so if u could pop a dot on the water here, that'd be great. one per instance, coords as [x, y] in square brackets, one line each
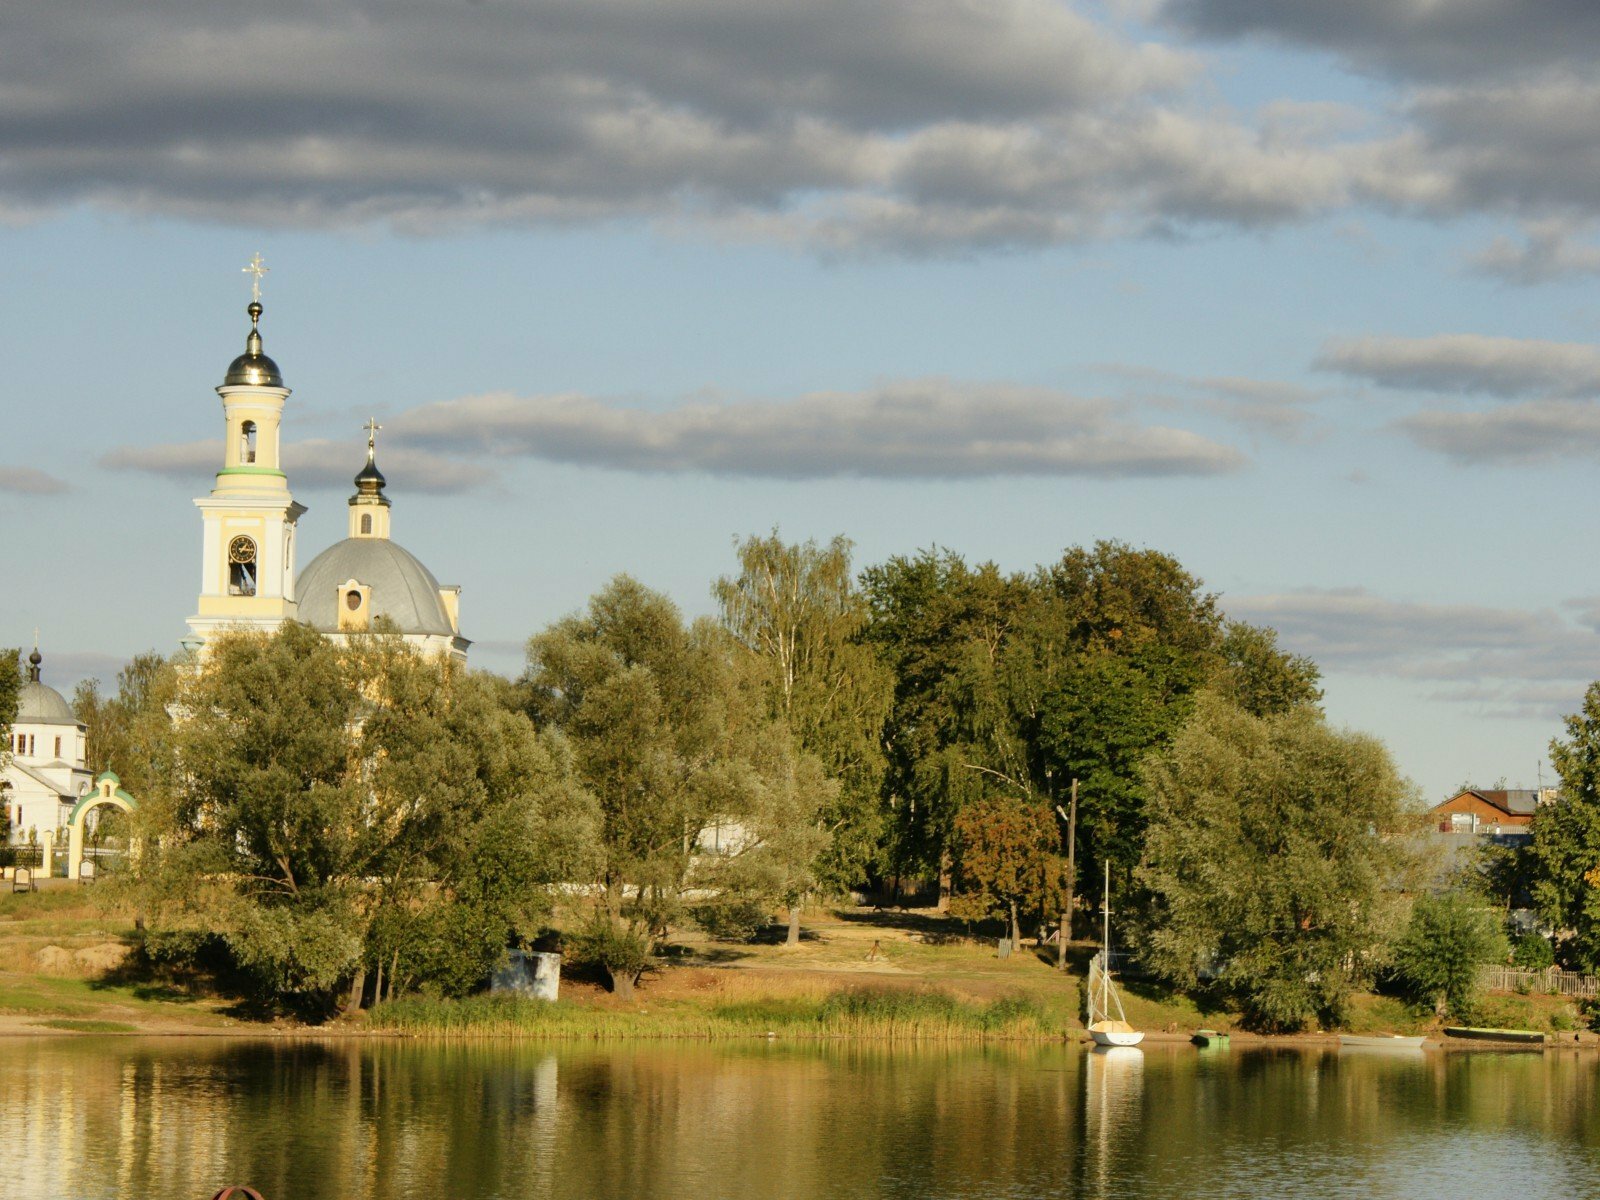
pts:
[170, 1119]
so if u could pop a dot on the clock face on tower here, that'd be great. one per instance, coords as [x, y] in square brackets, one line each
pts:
[241, 550]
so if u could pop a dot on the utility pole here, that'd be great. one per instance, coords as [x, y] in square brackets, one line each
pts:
[1072, 878]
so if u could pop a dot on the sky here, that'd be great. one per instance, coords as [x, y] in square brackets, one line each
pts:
[1302, 294]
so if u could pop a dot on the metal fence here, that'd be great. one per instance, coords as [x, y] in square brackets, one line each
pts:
[1551, 982]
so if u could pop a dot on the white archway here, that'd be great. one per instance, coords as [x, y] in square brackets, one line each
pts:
[107, 790]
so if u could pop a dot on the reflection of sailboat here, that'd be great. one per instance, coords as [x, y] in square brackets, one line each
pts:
[1113, 1113]
[1108, 1024]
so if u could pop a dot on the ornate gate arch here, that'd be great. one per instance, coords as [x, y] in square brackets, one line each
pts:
[107, 790]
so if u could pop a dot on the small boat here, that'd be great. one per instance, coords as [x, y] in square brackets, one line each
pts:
[1494, 1035]
[1380, 1041]
[1108, 1024]
[1209, 1037]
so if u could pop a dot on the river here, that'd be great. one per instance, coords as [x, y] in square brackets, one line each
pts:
[174, 1118]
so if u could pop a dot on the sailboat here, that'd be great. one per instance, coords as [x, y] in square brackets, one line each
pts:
[1108, 1024]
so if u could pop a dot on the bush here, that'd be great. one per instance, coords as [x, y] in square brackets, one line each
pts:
[1437, 960]
[731, 921]
[1531, 952]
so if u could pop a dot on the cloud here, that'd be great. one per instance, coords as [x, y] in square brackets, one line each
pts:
[30, 481]
[312, 464]
[851, 126]
[1520, 434]
[1412, 38]
[1468, 363]
[913, 429]
[1270, 408]
[1534, 662]
[1548, 251]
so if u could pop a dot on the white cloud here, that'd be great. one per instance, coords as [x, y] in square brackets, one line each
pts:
[315, 463]
[1549, 250]
[1468, 363]
[1531, 662]
[30, 481]
[913, 429]
[1518, 434]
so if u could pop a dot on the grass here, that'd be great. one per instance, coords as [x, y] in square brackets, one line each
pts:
[88, 1026]
[859, 1012]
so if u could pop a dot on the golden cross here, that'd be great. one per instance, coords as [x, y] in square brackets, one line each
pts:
[256, 270]
[372, 428]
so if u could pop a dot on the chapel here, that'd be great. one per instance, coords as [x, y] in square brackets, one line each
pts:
[47, 773]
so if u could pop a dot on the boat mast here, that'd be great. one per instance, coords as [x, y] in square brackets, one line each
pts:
[1105, 944]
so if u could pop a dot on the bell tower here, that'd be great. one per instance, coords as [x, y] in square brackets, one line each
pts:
[247, 565]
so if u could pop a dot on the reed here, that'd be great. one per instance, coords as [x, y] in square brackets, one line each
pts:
[887, 1013]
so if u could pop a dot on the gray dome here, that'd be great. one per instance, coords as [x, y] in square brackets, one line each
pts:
[40, 704]
[403, 589]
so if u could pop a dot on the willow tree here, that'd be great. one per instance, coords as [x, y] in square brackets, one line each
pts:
[795, 609]
[1563, 856]
[1276, 851]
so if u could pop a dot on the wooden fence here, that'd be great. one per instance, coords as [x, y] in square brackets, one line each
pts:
[1551, 982]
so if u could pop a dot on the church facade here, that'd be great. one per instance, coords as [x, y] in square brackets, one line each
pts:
[250, 526]
[47, 772]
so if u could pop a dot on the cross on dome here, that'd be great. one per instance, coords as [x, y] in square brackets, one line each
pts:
[255, 270]
[372, 428]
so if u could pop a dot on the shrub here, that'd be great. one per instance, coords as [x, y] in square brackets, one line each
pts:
[1449, 938]
[1532, 952]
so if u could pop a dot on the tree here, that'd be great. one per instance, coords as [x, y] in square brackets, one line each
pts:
[648, 708]
[796, 610]
[1275, 848]
[131, 732]
[333, 809]
[1261, 678]
[10, 692]
[1005, 856]
[1563, 855]
[1448, 941]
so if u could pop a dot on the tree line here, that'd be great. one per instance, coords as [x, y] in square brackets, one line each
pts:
[340, 823]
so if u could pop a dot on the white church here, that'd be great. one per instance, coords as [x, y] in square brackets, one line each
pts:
[248, 581]
[247, 576]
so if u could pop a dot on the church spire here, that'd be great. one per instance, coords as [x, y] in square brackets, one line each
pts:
[369, 507]
[35, 660]
[253, 367]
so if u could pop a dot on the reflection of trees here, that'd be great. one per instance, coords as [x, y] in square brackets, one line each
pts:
[308, 1120]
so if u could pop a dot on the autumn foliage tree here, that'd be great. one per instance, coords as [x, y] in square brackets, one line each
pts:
[1005, 858]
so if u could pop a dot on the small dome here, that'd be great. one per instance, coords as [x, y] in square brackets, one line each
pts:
[40, 704]
[371, 477]
[253, 367]
[403, 589]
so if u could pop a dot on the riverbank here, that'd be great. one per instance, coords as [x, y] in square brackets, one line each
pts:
[858, 972]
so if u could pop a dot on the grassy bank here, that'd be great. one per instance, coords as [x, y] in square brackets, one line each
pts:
[859, 1012]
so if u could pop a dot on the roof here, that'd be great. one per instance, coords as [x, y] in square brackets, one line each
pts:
[40, 704]
[403, 589]
[1514, 802]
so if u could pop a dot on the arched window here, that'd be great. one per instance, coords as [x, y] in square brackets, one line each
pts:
[247, 442]
[241, 567]
[352, 600]
[366, 522]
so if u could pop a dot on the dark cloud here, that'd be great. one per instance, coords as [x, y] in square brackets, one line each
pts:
[1527, 661]
[30, 481]
[849, 125]
[1468, 363]
[917, 429]
[1413, 38]
[312, 464]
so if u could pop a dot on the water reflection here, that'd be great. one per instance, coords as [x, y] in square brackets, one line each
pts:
[311, 1121]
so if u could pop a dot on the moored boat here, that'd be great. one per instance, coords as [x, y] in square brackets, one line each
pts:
[1381, 1041]
[1108, 1024]
[1494, 1035]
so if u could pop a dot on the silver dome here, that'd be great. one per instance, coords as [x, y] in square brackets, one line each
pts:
[403, 589]
[40, 704]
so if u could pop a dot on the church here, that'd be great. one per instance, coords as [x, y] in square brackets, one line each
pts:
[248, 577]
[247, 580]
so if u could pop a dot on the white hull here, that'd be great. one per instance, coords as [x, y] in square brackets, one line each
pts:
[1383, 1042]
[1116, 1037]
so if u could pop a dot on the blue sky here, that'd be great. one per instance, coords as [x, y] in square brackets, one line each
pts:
[1304, 295]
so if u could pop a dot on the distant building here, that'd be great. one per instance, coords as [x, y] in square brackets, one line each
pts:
[1495, 812]
[48, 772]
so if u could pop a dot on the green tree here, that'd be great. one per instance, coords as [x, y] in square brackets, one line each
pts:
[1005, 856]
[1275, 847]
[10, 692]
[1563, 855]
[649, 708]
[1262, 678]
[796, 610]
[1439, 957]
[131, 732]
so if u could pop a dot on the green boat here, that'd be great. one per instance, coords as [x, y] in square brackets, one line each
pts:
[1494, 1035]
[1209, 1037]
